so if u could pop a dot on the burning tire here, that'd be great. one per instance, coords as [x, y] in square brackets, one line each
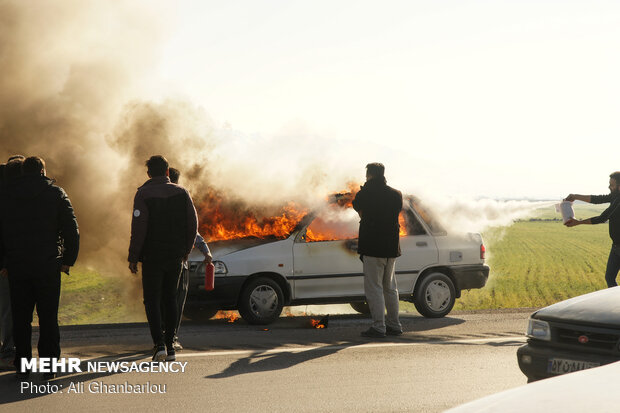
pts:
[362, 308]
[435, 295]
[261, 301]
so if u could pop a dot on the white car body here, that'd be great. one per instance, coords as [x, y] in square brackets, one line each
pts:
[325, 272]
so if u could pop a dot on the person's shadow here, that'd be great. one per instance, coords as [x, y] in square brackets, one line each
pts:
[265, 360]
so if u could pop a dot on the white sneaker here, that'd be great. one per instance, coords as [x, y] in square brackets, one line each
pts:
[160, 353]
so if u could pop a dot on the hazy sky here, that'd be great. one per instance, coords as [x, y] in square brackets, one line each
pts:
[479, 98]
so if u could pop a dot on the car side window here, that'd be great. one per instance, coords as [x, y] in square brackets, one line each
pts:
[412, 223]
[333, 225]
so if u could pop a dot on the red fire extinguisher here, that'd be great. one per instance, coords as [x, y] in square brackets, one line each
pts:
[210, 277]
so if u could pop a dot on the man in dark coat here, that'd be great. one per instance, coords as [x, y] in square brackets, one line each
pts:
[379, 206]
[40, 238]
[163, 230]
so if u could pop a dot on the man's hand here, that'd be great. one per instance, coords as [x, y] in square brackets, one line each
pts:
[208, 259]
[572, 222]
[577, 197]
[4, 272]
[65, 269]
[133, 267]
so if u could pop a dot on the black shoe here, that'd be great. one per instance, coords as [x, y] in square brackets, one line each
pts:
[373, 333]
[171, 356]
[49, 376]
[393, 331]
[159, 354]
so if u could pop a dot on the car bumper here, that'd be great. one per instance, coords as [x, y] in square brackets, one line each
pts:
[224, 296]
[534, 360]
[470, 276]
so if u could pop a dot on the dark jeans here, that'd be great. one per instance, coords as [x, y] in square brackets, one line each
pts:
[613, 266]
[159, 284]
[182, 287]
[40, 290]
[7, 348]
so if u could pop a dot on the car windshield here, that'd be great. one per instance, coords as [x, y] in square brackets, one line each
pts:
[333, 223]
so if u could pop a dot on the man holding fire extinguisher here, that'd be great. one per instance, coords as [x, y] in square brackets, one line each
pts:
[163, 231]
[183, 285]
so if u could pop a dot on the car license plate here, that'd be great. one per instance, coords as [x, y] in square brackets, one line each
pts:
[562, 366]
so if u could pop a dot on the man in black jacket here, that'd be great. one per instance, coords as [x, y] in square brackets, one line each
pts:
[379, 206]
[163, 230]
[40, 238]
[611, 214]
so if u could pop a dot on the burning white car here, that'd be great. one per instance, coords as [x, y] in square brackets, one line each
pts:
[317, 263]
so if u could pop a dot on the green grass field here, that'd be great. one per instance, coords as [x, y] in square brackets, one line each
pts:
[533, 264]
[537, 263]
[88, 297]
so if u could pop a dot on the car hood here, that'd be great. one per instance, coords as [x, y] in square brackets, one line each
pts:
[591, 390]
[221, 248]
[597, 308]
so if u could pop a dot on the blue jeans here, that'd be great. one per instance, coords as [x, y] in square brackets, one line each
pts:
[613, 266]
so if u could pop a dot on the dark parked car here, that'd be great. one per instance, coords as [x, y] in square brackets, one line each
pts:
[575, 334]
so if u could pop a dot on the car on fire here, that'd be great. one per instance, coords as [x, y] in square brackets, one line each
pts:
[572, 335]
[317, 263]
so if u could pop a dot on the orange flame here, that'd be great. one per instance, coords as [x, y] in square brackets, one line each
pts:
[316, 323]
[224, 219]
[403, 226]
[231, 316]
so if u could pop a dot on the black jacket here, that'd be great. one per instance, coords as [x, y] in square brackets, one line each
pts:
[164, 223]
[611, 214]
[379, 206]
[37, 224]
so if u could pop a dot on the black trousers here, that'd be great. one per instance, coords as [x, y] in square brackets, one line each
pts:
[182, 287]
[159, 285]
[38, 289]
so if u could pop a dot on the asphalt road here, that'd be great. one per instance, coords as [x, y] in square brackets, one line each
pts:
[287, 367]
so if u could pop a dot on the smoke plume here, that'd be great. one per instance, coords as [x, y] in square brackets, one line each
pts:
[73, 90]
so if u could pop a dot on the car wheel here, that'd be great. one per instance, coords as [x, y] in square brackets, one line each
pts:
[199, 314]
[362, 308]
[261, 301]
[435, 295]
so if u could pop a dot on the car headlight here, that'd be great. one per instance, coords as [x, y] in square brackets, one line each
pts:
[220, 267]
[538, 329]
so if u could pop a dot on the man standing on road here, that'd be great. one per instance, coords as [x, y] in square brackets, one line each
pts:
[40, 238]
[611, 214]
[7, 348]
[163, 230]
[379, 206]
[183, 284]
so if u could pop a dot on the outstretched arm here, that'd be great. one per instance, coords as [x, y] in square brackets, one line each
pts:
[577, 197]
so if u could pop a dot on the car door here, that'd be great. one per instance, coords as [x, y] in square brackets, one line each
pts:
[325, 259]
[418, 250]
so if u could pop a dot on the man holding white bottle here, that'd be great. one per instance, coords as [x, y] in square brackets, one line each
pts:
[611, 214]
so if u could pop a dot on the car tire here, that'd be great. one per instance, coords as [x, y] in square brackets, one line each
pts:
[199, 314]
[261, 301]
[361, 307]
[435, 295]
